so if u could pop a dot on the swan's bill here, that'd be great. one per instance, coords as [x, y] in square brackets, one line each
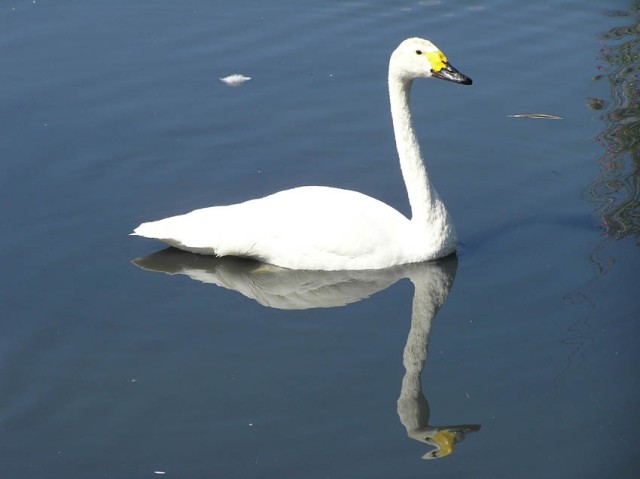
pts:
[450, 73]
[441, 68]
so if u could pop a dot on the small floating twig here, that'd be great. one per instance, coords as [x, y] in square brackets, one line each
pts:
[543, 116]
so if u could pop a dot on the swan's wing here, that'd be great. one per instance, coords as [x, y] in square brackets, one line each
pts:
[305, 228]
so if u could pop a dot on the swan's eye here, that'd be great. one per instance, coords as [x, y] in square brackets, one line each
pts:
[418, 52]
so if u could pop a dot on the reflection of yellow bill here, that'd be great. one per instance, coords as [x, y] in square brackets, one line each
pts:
[446, 441]
[543, 116]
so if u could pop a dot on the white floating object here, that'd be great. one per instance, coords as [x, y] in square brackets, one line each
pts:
[159, 472]
[235, 79]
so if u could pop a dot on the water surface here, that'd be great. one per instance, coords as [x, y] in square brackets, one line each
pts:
[522, 362]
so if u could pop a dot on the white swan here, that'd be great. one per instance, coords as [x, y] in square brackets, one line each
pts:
[323, 228]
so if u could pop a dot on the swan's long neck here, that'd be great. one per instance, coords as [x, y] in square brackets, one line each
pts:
[422, 197]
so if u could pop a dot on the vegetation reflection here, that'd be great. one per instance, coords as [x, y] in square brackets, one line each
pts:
[617, 188]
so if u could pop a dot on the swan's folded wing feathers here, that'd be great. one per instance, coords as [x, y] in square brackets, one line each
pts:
[293, 228]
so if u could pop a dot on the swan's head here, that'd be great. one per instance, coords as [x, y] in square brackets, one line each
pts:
[419, 58]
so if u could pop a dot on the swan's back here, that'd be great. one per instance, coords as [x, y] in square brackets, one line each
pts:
[310, 227]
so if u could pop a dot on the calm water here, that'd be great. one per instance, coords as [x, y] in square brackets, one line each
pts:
[113, 114]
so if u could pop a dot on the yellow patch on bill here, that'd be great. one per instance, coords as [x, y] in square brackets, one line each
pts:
[437, 59]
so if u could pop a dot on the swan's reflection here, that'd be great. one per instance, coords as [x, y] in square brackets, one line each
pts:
[291, 289]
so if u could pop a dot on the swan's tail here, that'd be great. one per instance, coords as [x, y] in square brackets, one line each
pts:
[154, 230]
[169, 230]
[186, 232]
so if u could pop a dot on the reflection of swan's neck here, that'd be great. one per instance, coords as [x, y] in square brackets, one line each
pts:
[426, 301]
[429, 295]
[422, 197]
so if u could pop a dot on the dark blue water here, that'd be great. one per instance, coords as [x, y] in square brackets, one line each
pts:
[518, 358]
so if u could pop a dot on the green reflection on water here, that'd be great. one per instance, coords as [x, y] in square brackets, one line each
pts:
[616, 190]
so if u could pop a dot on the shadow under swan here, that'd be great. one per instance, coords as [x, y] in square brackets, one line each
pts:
[281, 288]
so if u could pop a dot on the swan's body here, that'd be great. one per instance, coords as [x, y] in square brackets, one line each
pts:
[322, 228]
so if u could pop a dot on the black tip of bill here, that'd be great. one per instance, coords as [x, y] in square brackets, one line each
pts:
[450, 73]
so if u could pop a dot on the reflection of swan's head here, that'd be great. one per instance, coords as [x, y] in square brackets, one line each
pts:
[419, 58]
[444, 439]
[445, 443]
